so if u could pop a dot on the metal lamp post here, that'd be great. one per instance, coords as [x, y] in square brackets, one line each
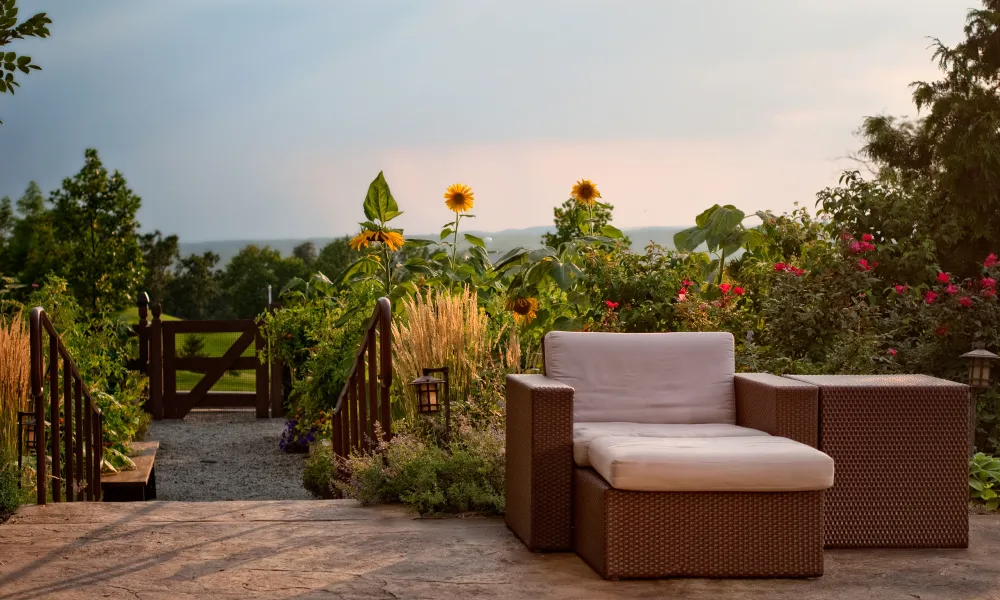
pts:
[979, 379]
[432, 393]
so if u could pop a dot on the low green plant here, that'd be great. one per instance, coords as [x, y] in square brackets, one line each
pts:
[11, 495]
[465, 475]
[984, 480]
[319, 472]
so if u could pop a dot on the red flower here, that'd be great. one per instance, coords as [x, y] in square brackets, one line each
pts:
[681, 297]
[943, 277]
[892, 352]
[864, 265]
[990, 293]
[738, 291]
[779, 267]
[846, 236]
[930, 297]
[610, 304]
[687, 283]
[725, 287]
[855, 246]
[902, 289]
[991, 261]
[942, 330]
[951, 290]
[965, 301]
[987, 283]
[798, 272]
[868, 237]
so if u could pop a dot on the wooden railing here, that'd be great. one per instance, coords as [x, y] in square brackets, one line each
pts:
[363, 402]
[74, 420]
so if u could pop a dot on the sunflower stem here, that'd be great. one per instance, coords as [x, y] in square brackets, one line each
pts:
[388, 276]
[454, 244]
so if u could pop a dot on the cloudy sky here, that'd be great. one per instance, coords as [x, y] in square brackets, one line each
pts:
[238, 119]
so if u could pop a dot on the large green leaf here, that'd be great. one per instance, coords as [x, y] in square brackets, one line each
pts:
[475, 241]
[379, 204]
[688, 239]
[512, 256]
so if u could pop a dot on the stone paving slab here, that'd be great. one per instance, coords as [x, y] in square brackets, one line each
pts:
[336, 549]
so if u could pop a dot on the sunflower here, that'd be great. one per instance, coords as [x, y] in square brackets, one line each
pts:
[459, 197]
[585, 192]
[361, 240]
[524, 308]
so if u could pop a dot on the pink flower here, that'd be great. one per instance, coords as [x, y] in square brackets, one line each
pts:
[987, 283]
[725, 287]
[965, 301]
[846, 236]
[681, 297]
[864, 265]
[738, 291]
[930, 297]
[902, 289]
[951, 290]
[989, 293]
[779, 267]
[991, 261]
[687, 283]
[868, 237]
[943, 277]
[892, 352]
[855, 246]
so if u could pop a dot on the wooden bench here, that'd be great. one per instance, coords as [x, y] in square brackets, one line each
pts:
[136, 484]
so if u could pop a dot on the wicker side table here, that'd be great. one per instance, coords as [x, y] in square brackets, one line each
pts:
[899, 443]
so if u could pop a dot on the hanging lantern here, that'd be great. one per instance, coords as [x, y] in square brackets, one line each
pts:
[979, 366]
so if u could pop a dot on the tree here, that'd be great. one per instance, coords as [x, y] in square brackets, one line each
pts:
[36, 26]
[335, 256]
[31, 252]
[306, 252]
[94, 219]
[194, 292]
[948, 160]
[569, 217]
[247, 276]
[160, 255]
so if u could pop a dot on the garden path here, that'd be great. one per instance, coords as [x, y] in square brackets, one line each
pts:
[225, 455]
[336, 549]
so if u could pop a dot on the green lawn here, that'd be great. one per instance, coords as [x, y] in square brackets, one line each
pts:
[213, 345]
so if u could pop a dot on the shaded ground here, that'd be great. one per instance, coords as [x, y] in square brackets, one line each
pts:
[335, 549]
[225, 455]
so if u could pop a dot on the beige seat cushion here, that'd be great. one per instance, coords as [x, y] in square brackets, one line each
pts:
[683, 377]
[585, 433]
[725, 464]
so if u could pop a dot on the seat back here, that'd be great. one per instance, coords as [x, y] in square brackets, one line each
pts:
[645, 377]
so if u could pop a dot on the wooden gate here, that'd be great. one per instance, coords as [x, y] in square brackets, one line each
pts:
[161, 359]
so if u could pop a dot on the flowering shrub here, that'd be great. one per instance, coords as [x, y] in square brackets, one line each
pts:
[296, 436]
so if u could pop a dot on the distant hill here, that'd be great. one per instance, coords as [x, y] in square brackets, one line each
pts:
[497, 241]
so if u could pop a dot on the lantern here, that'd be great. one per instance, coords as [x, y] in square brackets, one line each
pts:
[979, 366]
[25, 437]
[432, 393]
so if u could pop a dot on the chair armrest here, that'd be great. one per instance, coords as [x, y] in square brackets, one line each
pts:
[539, 465]
[778, 406]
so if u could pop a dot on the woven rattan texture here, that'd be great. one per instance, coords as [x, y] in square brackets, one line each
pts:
[638, 535]
[539, 465]
[900, 448]
[778, 406]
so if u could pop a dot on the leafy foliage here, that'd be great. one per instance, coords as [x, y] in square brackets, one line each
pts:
[10, 30]
[984, 480]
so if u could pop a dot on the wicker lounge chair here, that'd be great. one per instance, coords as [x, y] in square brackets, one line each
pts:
[647, 455]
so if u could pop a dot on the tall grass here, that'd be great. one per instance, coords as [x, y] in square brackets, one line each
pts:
[15, 361]
[448, 329]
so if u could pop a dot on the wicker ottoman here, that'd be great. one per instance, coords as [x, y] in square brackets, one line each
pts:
[900, 445]
[736, 527]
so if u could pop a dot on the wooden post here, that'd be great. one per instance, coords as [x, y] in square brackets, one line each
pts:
[54, 416]
[155, 368]
[143, 330]
[78, 438]
[372, 389]
[263, 388]
[38, 396]
[168, 373]
[277, 376]
[68, 411]
[385, 364]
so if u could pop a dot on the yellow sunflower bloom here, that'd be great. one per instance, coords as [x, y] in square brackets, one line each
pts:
[361, 240]
[585, 192]
[459, 197]
[392, 239]
[524, 308]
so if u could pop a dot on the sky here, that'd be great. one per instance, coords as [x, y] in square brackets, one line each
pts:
[260, 119]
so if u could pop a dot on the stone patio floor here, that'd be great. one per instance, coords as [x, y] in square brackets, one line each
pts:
[336, 549]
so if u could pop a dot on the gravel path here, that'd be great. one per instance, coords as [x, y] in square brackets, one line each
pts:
[225, 455]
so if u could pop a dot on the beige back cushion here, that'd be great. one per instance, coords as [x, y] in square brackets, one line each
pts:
[645, 377]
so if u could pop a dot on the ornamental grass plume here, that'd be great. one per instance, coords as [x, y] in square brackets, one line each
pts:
[15, 361]
[447, 329]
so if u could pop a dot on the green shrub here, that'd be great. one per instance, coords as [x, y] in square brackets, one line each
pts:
[984, 480]
[319, 472]
[466, 475]
[11, 496]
